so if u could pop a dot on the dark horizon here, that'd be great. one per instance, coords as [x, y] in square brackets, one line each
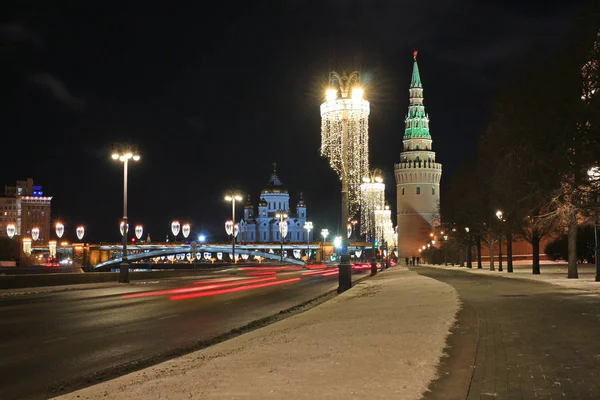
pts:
[213, 96]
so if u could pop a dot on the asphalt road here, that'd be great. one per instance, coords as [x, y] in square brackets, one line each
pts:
[55, 342]
[518, 339]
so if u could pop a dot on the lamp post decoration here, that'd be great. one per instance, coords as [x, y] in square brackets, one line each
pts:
[345, 142]
[308, 225]
[185, 230]
[59, 228]
[139, 231]
[372, 197]
[232, 229]
[175, 227]
[124, 228]
[11, 230]
[80, 231]
[324, 233]
[283, 229]
[35, 233]
[125, 154]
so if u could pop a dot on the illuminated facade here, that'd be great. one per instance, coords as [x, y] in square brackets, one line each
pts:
[25, 206]
[263, 227]
[417, 175]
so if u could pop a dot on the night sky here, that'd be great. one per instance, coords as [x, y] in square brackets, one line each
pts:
[213, 93]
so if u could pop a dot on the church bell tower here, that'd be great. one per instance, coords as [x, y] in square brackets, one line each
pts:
[417, 176]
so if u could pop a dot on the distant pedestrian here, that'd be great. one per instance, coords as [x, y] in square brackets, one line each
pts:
[413, 260]
[418, 260]
[406, 261]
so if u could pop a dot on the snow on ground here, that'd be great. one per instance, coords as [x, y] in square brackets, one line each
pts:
[380, 340]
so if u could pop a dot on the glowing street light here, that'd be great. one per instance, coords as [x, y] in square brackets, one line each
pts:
[59, 228]
[124, 228]
[308, 226]
[124, 154]
[324, 233]
[11, 230]
[232, 229]
[283, 228]
[469, 264]
[344, 141]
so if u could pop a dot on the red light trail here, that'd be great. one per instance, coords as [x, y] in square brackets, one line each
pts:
[233, 290]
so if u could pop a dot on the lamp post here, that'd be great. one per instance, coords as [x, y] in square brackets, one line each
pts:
[324, 233]
[308, 226]
[594, 175]
[344, 141]
[124, 155]
[445, 249]
[283, 228]
[469, 264]
[232, 197]
[499, 216]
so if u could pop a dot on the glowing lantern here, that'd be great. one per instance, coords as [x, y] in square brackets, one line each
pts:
[198, 256]
[139, 231]
[52, 248]
[236, 230]
[358, 253]
[11, 230]
[229, 227]
[349, 230]
[180, 256]
[185, 229]
[189, 256]
[80, 232]
[35, 233]
[207, 256]
[59, 229]
[220, 256]
[175, 226]
[170, 257]
[245, 256]
[27, 246]
[124, 228]
[283, 228]
[297, 253]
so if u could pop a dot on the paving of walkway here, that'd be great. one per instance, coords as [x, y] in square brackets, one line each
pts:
[382, 339]
[519, 338]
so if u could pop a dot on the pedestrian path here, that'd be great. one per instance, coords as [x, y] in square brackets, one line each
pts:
[382, 339]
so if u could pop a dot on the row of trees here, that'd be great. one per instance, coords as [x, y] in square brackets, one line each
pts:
[533, 161]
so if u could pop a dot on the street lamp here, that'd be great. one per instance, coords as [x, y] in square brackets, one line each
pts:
[324, 233]
[124, 155]
[469, 264]
[283, 228]
[308, 226]
[445, 249]
[234, 229]
[499, 216]
[345, 142]
[594, 175]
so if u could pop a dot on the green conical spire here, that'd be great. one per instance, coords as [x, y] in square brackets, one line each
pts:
[417, 121]
[415, 82]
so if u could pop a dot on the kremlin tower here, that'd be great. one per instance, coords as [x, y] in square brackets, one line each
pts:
[417, 176]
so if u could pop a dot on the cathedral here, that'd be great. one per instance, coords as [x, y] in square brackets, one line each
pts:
[263, 226]
[417, 175]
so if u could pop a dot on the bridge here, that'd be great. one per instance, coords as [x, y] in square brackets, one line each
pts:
[200, 252]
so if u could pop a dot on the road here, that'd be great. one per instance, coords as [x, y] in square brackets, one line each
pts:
[56, 342]
[518, 339]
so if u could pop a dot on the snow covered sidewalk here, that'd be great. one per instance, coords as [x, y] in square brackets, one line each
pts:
[380, 340]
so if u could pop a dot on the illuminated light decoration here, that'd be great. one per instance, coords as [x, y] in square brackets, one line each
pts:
[27, 246]
[185, 230]
[198, 256]
[349, 230]
[233, 290]
[35, 233]
[229, 227]
[358, 253]
[283, 228]
[324, 233]
[297, 253]
[170, 257]
[124, 228]
[236, 230]
[372, 196]
[207, 255]
[180, 256]
[337, 242]
[203, 286]
[80, 231]
[230, 256]
[162, 258]
[175, 227]
[344, 134]
[219, 256]
[271, 251]
[52, 248]
[11, 230]
[59, 228]
[189, 256]
[139, 231]
[244, 256]
[285, 253]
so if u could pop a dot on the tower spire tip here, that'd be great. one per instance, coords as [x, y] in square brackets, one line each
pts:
[415, 54]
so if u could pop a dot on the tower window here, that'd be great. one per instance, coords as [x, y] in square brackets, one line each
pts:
[402, 191]
[417, 147]
[433, 191]
[418, 190]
